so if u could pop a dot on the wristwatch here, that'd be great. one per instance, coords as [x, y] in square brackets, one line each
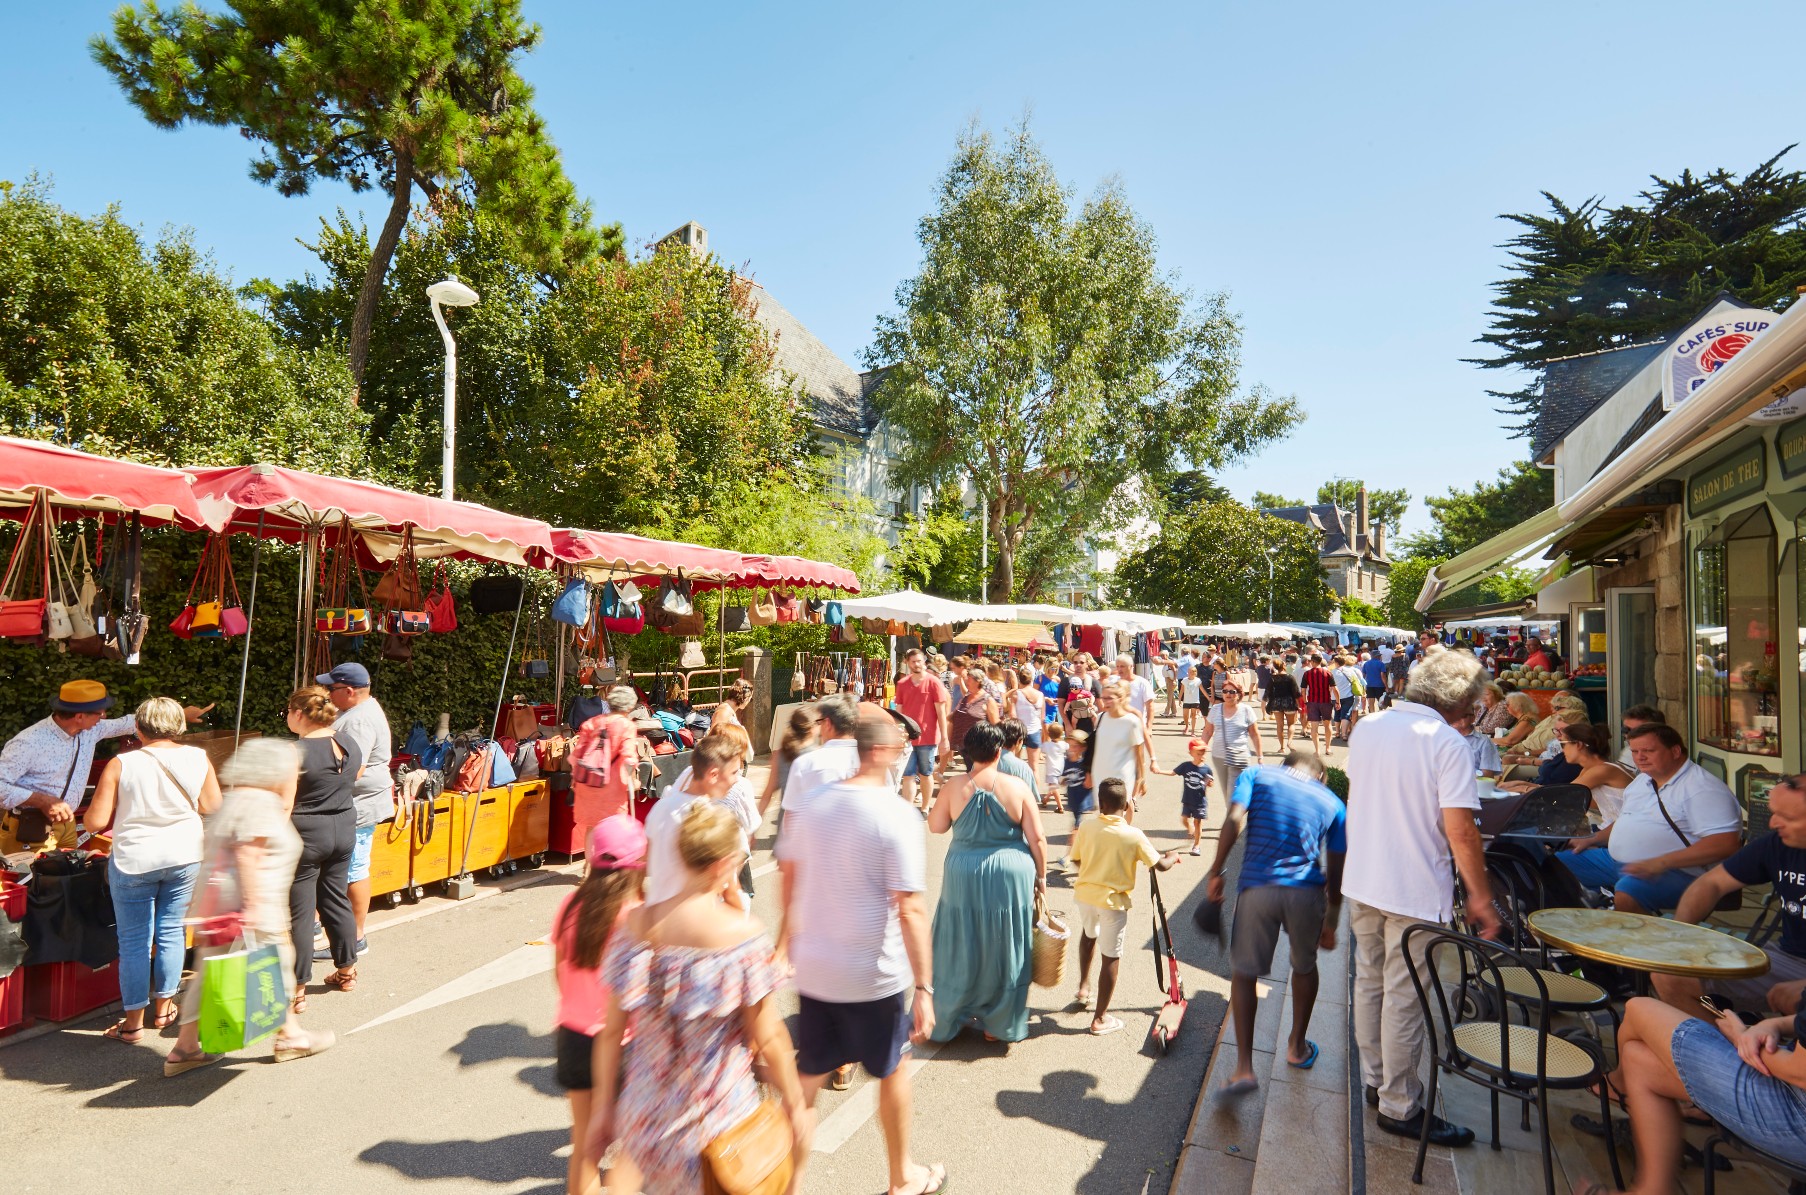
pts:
[922, 987]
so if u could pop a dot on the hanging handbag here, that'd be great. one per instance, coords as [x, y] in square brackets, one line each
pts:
[844, 633]
[410, 622]
[572, 606]
[441, 609]
[58, 624]
[23, 618]
[815, 611]
[896, 627]
[734, 620]
[398, 647]
[400, 588]
[497, 593]
[764, 610]
[81, 614]
[674, 597]
[692, 655]
[790, 607]
[534, 663]
[874, 626]
[621, 616]
[832, 615]
[692, 624]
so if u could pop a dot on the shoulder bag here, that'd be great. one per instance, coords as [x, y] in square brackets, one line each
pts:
[23, 618]
[764, 610]
[1730, 900]
[441, 609]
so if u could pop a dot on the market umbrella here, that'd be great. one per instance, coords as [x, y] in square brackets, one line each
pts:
[914, 607]
[795, 570]
[616, 555]
[80, 483]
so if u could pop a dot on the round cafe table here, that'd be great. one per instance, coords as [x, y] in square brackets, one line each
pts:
[1647, 943]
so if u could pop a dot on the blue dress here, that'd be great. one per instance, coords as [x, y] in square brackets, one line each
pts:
[984, 925]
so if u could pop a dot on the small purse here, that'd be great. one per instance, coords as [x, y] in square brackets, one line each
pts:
[790, 607]
[734, 619]
[692, 655]
[752, 1158]
[410, 622]
[763, 612]
[23, 618]
[328, 620]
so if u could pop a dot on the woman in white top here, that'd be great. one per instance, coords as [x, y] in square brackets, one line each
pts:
[154, 799]
[1028, 705]
[1232, 736]
[1590, 745]
[1120, 746]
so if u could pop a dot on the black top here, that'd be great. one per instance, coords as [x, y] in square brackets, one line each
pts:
[324, 786]
[1768, 860]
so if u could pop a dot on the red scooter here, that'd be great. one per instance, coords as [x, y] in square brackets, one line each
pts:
[1172, 1013]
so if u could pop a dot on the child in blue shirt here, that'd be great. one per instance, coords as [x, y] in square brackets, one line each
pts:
[1196, 776]
[1079, 798]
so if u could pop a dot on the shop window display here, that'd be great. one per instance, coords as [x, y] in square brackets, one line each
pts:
[1736, 610]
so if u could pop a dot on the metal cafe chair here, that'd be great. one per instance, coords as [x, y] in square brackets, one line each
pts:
[1792, 1171]
[1518, 888]
[1522, 1062]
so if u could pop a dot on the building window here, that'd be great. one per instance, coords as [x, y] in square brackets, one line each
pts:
[1736, 607]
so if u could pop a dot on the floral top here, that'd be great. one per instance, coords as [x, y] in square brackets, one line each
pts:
[689, 1075]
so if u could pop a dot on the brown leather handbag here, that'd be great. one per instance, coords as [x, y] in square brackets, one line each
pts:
[752, 1158]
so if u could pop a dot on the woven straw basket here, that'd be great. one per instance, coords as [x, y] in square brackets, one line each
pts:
[1050, 940]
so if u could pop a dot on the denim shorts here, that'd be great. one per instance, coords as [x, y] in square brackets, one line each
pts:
[360, 855]
[1764, 1111]
[1595, 868]
[873, 1033]
[921, 760]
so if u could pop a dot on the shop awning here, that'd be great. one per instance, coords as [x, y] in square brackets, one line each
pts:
[1507, 549]
[1606, 531]
[1132, 621]
[795, 570]
[288, 503]
[1006, 634]
[81, 483]
[605, 555]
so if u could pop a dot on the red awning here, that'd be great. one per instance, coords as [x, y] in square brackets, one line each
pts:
[794, 570]
[615, 554]
[293, 502]
[80, 483]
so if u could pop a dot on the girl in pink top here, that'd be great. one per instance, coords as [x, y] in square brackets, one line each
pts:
[580, 931]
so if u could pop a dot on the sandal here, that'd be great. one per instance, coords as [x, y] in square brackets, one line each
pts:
[342, 981]
[118, 1032]
[166, 1018]
[934, 1182]
[315, 1042]
[841, 1079]
[175, 1065]
[299, 1004]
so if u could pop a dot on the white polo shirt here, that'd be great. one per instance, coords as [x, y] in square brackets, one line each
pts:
[833, 761]
[1698, 801]
[1405, 766]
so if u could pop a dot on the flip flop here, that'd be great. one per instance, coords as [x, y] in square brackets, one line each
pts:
[173, 1066]
[1310, 1059]
[1111, 1025]
[1241, 1087]
[119, 1033]
[934, 1183]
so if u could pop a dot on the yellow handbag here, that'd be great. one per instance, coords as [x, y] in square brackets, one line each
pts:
[752, 1158]
[764, 610]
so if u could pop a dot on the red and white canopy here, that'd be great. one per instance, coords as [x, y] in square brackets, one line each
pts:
[293, 502]
[605, 555]
[794, 570]
[80, 483]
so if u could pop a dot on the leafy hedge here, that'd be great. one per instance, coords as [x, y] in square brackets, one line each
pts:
[458, 672]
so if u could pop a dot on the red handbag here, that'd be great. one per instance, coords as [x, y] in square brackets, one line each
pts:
[23, 618]
[790, 607]
[441, 610]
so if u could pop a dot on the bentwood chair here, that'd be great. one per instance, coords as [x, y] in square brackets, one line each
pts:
[1522, 1062]
[1792, 1171]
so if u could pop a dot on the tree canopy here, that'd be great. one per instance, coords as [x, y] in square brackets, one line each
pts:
[113, 347]
[1383, 506]
[1210, 565]
[632, 394]
[1041, 354]
[1585, 276]
[385, 94]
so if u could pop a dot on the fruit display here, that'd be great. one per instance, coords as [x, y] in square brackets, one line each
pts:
[1536, 678]
[1589, 670]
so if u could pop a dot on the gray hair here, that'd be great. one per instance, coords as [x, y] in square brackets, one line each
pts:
[1449, 682]
[160, 718]
[1303, 759]
[269, 764]
[622, 699]
[840, 711]
[1521, 704]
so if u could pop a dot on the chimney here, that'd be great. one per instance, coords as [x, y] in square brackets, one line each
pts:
[1361, 514]
[691, 235]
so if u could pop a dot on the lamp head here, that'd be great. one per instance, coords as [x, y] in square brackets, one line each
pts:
[452, 293]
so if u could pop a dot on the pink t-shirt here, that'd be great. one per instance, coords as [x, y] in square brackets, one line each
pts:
[582, 996]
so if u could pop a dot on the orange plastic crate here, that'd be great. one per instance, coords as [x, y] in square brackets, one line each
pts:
[529, 818]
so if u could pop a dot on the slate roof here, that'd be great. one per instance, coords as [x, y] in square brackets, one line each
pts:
[1573, 388]
[840, 396]
[1336, 527]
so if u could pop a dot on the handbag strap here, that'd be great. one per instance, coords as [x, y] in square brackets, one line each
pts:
[1668, 817]
[186, 795]
[26, 531]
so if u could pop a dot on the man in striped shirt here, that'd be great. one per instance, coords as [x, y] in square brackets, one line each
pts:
[1319, 689]
[1292, 821]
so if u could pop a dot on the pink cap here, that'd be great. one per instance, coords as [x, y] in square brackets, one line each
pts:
[618, 842]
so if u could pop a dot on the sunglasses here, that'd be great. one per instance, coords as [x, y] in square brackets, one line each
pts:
[1228, 689]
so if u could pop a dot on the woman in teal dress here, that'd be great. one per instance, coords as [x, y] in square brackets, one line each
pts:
[983, 926]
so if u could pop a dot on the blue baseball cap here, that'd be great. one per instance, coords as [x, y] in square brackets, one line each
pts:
[355, 675]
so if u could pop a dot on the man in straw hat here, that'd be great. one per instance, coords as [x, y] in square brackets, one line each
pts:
[44, 768]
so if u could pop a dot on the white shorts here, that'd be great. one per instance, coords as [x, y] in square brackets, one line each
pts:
[1109, 926]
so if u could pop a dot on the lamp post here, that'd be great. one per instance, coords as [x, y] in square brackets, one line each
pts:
[1270, 552]
[449, 293]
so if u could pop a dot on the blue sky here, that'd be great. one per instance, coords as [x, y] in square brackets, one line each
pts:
[1338, 169]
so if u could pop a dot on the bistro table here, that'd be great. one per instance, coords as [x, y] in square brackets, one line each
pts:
[1643, 943]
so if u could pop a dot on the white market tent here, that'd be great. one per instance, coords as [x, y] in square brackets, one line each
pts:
[1499, 620]
[919, 609]
[1125, 620]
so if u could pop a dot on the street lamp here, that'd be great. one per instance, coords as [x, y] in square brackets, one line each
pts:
[1270, 552]
[449, 293]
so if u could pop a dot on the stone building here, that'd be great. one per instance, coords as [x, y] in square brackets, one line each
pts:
[1351, 547]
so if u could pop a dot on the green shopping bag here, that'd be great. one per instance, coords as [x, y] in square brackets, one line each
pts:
[244, 998]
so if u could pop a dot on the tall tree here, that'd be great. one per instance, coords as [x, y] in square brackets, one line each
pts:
[1210, 565]
[1041, 354]
[1383, 506]
[391, 94]
[1265, 500]
[115, 347]
[627, 393]
[1586, 277]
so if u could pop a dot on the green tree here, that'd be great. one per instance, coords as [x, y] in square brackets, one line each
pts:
[390, 94]
[1386, 507]
[1211, 566]
[1043, 355]
[633, 394]
[1360, 612]
[1402, 587]
[938, 550]
[113, 347]
[1463, 519]
[1185, 490]
[1263, 500]
[1586, 277]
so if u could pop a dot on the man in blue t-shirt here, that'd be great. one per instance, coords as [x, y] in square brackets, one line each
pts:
[1373, 677]
[1292, 821]
[1778, 858]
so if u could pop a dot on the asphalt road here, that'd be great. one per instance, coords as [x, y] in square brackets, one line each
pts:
[442, 1076]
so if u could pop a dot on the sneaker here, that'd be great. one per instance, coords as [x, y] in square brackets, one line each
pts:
[1196, 850]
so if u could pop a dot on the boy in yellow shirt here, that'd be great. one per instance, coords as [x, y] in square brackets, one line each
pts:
[1106, 850]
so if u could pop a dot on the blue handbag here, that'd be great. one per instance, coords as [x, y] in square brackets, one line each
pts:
[572, 606]
[832, 616]
[419, 742]
[501, 770]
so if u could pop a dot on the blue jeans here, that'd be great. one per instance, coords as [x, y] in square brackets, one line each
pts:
[149, 908]
[1764, 1111]
[1595, 868]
